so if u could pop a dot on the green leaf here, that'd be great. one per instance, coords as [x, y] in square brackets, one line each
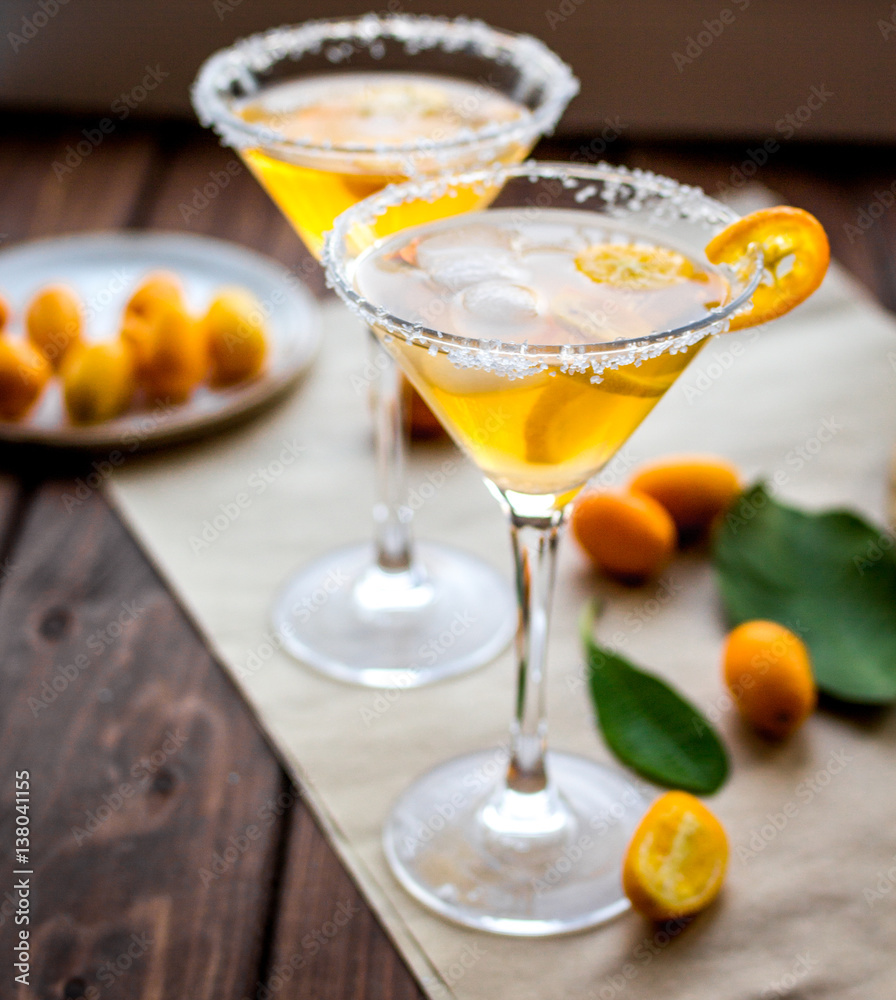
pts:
[649, 726]
[829, 577]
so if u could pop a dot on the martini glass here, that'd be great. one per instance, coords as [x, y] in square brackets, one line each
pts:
[561, 366]
[396, 97]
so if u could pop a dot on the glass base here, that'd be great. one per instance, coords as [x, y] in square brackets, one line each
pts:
[446, 850]
[351, 620]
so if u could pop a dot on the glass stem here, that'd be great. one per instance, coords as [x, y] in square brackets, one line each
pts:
[392, 520]
[535, 556]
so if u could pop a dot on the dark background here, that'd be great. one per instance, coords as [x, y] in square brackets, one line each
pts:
[714, 69]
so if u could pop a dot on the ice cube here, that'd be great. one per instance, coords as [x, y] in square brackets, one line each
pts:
[467, 255]
[496, 310]
[467, 237]
[545, 237]
[458, 269]
[501, 302]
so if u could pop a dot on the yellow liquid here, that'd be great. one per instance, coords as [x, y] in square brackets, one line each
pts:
[545, 433]
[541, 434]
[366, 110]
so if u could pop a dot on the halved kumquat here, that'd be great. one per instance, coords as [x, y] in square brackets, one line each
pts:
[796, 252]
[676, 861]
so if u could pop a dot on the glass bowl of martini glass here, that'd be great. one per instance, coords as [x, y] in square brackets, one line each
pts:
[587, 293]
[324, 114]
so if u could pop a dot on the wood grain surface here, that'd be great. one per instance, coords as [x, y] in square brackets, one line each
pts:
[173, 859]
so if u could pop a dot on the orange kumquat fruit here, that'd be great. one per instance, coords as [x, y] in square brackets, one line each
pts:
[627, 534]
[768, 672]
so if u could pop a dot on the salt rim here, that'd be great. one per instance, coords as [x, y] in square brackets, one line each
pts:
[623, 191]
[238, 64]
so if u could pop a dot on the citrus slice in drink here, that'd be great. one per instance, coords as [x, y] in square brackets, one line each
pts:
[675, 863]
[564, 405]
[567, 415]
[571, 402]
[796, 252]
[634, 267]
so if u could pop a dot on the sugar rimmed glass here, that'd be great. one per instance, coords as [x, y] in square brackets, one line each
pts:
[401, 595]
[536, 849]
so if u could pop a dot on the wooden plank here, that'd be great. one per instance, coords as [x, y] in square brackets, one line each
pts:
[48, 187]
[154, 817]
[326, 932]
[12, 501]
[871, 226]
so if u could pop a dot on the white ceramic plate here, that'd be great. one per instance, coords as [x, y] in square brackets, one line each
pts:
[105, 268]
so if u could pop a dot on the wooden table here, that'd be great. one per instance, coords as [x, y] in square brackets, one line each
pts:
[192, 870]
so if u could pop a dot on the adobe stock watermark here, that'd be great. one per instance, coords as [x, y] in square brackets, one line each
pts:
[881, 202]
[267, 815]
[887, 26]
[115, 968]
[428, 654]
[482, 778]
[370, 373]
[97, 643]
[642, 955]
[432, 482]
[31, 26]
[595, 148]
[58, 339]
[224, 7]
[759, 666]
[599, 824]
[800, 455]
[875, 550]
[386, 697]
[805, 792]
[430, 651]
[786, 127]
[618, 466]
[313, 943]
[785, 986]
[142, 772]
[564, 10]
[700, 380]
[710, 29]
[300, 612]
[747, 507]
[143, 425]
[121, 107]
[452, 973]
[635, 621]
[202, 197]
[886, 880]
[258, 483]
